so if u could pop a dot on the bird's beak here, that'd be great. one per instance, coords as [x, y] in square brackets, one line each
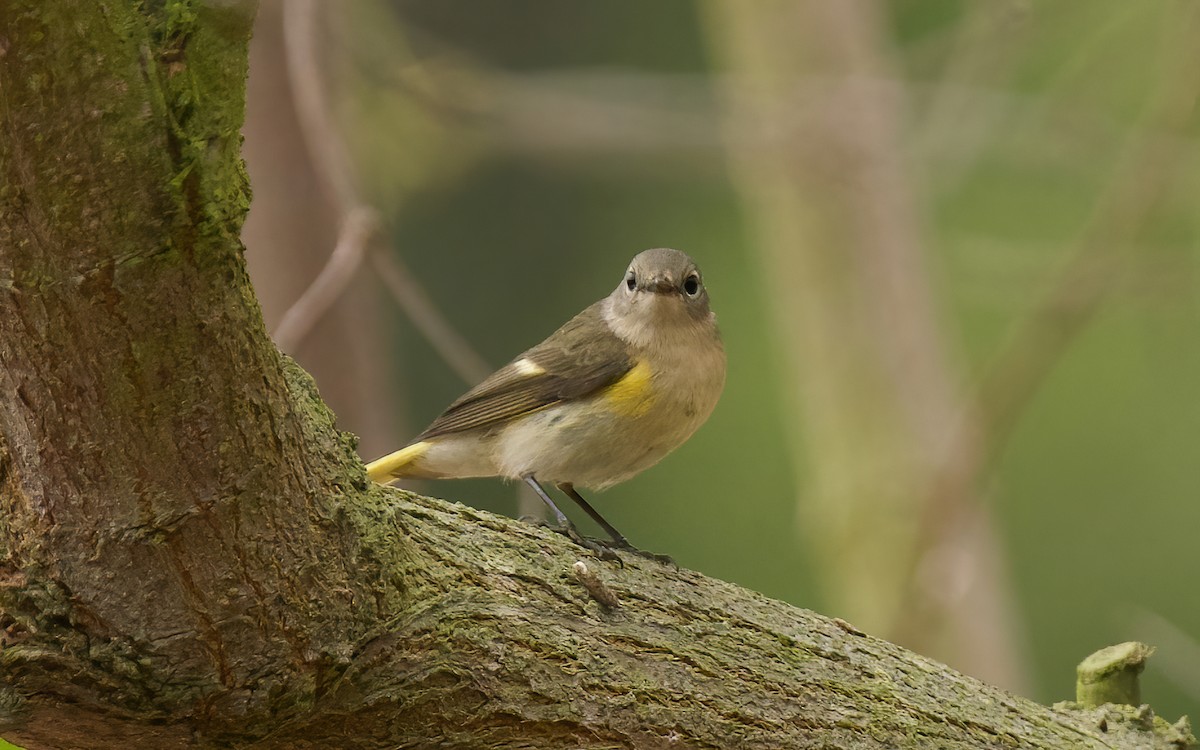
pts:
[660, 285]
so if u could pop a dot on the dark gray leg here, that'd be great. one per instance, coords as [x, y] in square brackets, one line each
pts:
[566, 528]
[569, 490]
[618, 539]
[558, 514]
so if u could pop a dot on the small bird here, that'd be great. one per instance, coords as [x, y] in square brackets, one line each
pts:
[606, 396]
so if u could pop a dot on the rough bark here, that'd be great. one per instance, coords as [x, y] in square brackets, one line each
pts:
[190, 553]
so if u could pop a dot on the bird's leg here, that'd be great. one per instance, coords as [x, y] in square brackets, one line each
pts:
[618, 539]
[559, 516]
[566, 528]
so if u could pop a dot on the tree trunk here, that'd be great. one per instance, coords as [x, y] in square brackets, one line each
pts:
[191, 555]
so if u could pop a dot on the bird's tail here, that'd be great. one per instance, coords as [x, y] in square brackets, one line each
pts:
[396, 465]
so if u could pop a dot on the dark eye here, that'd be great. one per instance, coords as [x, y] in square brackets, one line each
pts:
[630, 281]
[691, 285]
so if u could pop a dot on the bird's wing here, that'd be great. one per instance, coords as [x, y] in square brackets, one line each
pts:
[579, 359]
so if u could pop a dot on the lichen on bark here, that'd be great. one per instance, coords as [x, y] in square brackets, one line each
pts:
[191, 554]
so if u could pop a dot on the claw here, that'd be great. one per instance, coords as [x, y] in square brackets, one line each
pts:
[623, 544]
[597, 547]
[605, 549]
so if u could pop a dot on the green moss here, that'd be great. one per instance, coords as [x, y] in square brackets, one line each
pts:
[1117, 719]
[1110, 675]
[188, 60]
[200, 51]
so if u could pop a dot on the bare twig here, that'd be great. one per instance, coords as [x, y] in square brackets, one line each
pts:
[327, 150]
[359, 225]
[428, 319]
[321, 138]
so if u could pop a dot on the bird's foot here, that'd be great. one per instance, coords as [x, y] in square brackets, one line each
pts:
[598, 547]
[624, 545]
[605, 549]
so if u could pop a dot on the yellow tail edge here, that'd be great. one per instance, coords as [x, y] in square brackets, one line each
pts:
[392, 466]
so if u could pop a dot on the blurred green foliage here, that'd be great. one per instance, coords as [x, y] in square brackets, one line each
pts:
[1096, 490]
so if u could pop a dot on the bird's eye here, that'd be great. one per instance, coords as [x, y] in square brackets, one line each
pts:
[630, 281]
[691, 285]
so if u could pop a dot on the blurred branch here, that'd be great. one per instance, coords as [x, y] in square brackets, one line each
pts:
[815, 138]
[1182, 667]
[289, 234]
[321, 136]
[359, 220]
[960, 115]
[655, 117]
[358, 226]
[547, 112]
[427, 319]
[1092, 271]
[1095, 266]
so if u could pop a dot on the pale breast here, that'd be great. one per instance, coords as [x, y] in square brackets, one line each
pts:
[606, 439]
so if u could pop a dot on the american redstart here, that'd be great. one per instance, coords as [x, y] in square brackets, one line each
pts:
[618, 387]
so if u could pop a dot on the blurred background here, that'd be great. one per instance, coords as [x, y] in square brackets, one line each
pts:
[953, 248]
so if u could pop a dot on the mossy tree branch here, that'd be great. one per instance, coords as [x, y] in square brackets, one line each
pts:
[190, 554]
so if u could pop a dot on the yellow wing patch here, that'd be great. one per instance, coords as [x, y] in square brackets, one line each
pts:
[391, 466]
[632, 395]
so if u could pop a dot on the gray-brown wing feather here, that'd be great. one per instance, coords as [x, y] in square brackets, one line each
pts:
[578, 360]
